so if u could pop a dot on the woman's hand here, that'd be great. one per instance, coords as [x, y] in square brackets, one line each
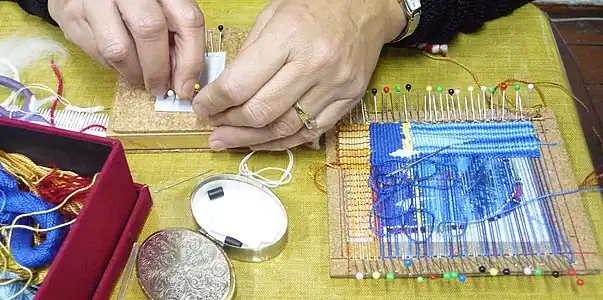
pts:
[318, 54]
[158, 42]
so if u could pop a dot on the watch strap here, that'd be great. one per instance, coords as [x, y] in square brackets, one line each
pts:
[413, 16]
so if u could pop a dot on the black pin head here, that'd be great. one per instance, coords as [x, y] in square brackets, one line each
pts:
[506, 271]
[220, 27]
[451, 92]
[374, 91]
[408, 87]
[556, 274]
[482, 269]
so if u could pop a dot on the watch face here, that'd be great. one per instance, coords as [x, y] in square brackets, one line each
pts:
[413, 4]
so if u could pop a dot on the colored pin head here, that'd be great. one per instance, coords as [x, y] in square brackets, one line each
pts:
[408, 87]
[407, 262]
[538, 272]
[503, 87]
[374, 91]
[571, 272]
[376, 275]
[386, 89]
[439, 89]
[517, 87]
[420, 279]
[220, 27]
[398, 88]
[389, 276]
[580, 282]
[197, 86]
[462, 278]
[451, 92]
[492, 90]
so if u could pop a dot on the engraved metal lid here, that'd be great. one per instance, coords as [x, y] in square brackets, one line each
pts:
[178, 263]
[242, 215]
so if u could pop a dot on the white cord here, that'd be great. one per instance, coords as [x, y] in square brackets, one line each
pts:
[562, 20]
[285, 178]
[36, 104]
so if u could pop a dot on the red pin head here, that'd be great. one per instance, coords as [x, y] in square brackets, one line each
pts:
[386, 90]
[580, 282]
[571, 272]
[503, 87]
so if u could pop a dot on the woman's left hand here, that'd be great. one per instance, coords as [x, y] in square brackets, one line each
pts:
[317, 54]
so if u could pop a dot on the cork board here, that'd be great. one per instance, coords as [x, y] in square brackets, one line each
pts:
[344, 249]
[135, 122]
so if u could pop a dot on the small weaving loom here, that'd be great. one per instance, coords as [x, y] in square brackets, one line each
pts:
[453, 184]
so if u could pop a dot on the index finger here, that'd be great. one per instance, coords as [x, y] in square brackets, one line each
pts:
[185, 20]
[254, 66]
[148, 26]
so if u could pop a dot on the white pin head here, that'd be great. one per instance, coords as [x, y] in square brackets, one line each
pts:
[483, 88]
[170, 93]
[470, 88]
[457, 91]
[428, 88]
[531, 86]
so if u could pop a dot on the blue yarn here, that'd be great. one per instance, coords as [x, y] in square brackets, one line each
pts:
[15, 203]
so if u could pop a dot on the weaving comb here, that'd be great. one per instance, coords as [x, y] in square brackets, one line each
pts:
[139, 127]
[406, 245]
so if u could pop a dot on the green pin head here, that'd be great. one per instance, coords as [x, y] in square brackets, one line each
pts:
[538, 272]
[439, 89]
[390, 276]
[398, 88]
[491, 90]
[447, 275]
[454, 274]
[516, 87]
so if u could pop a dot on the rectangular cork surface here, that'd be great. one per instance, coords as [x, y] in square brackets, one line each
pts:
[576, 226]
[135, 122]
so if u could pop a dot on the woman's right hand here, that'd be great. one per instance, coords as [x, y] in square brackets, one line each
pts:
[158, 42]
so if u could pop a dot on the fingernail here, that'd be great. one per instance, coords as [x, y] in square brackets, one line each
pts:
[188, 87]
[217, 145]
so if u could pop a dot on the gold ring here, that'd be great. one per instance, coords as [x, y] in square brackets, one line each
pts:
[308, 121]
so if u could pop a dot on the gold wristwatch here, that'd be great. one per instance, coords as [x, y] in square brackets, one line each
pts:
[412, 10]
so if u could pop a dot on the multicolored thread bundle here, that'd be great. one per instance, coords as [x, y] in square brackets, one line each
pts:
[447, 188]
[37, 207]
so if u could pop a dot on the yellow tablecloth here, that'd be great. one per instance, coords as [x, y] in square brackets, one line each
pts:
[519, 46]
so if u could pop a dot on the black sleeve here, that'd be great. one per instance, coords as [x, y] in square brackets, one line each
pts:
[37, 8]
[442, 19]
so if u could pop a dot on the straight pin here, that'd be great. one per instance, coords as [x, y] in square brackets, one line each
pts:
[470, 89]
[220, 28]
[374, 91]
[405, 109]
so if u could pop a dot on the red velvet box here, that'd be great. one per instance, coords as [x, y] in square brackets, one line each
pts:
[97, 247]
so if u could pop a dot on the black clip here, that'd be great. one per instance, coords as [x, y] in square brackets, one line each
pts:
[215, 193]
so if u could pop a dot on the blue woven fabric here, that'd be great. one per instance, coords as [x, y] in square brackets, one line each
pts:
[13, 203]
[495, 139]
[438, 193]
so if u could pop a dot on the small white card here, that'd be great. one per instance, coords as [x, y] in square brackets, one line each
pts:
[214, 66]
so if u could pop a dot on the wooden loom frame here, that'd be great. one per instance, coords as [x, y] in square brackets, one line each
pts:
[572, 211]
